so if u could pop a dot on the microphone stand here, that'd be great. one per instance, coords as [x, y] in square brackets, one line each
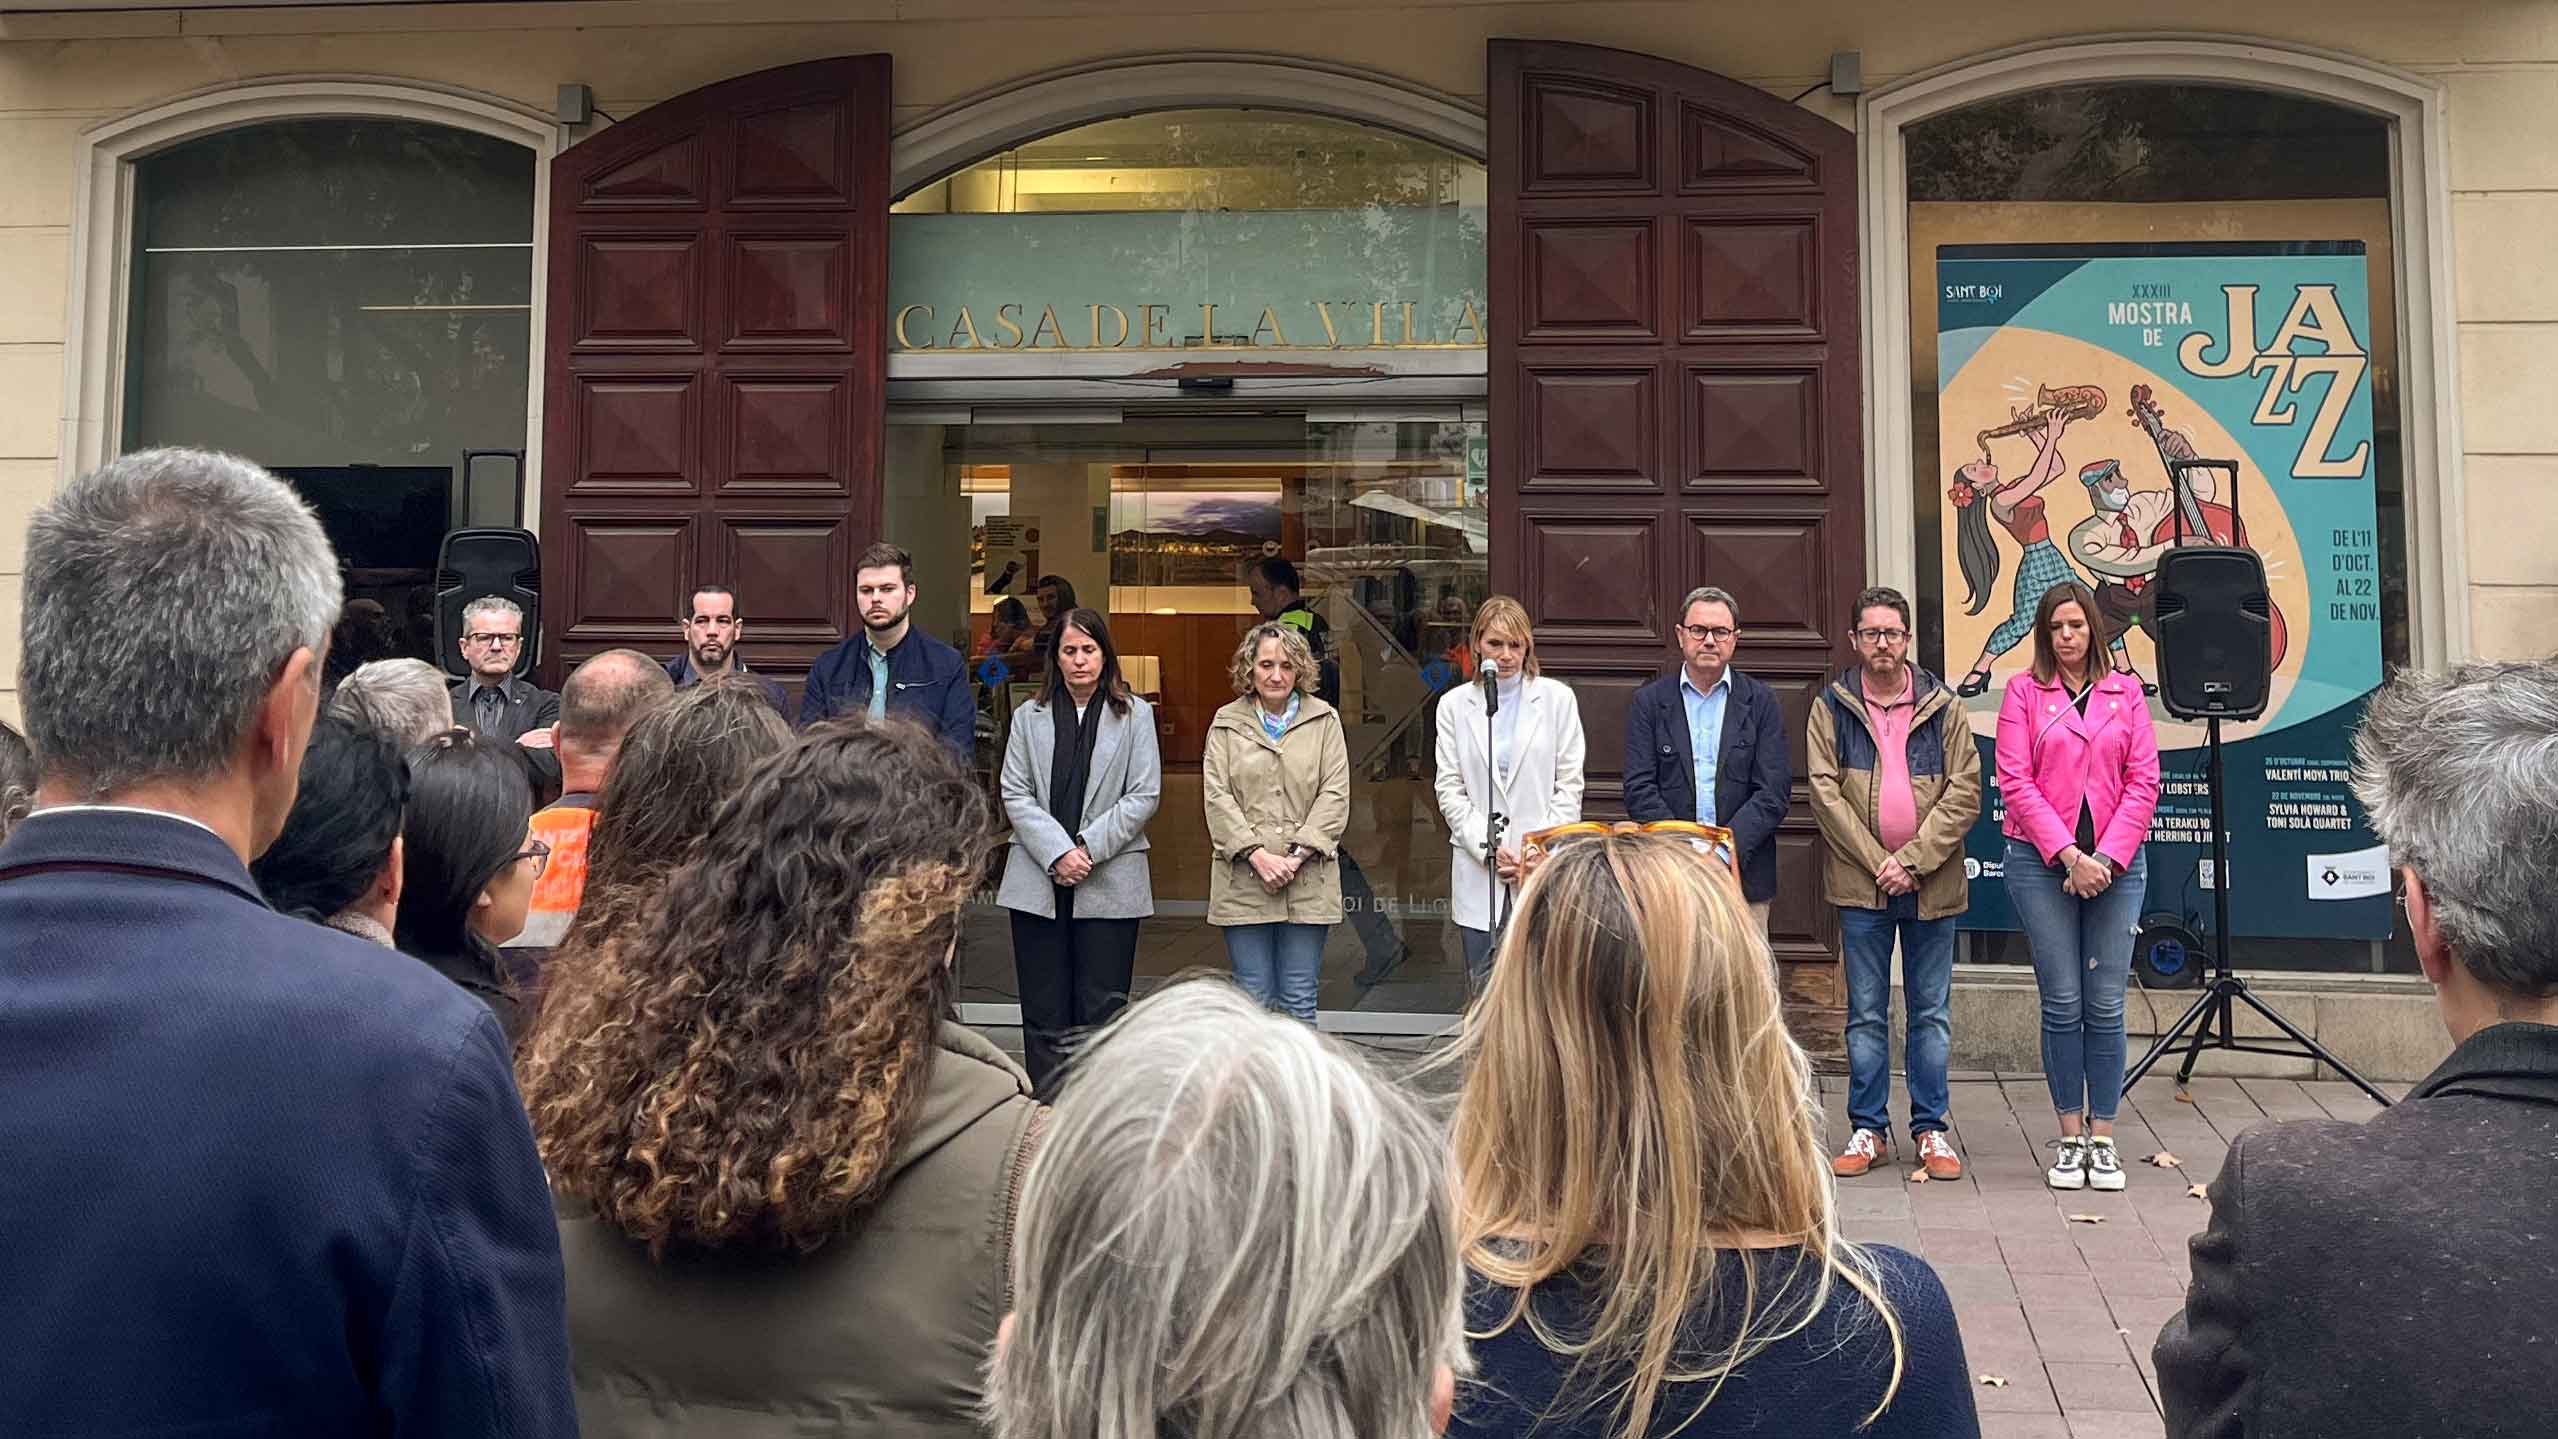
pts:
[1497, 911]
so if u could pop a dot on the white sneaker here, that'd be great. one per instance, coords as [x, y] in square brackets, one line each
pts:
[2069, 1163]
[2104, 1170]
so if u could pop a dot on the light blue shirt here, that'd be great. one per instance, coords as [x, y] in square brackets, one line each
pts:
[878, 682]
[1705, 735]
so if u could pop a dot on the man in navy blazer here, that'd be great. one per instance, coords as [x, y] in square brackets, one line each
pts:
[261, 1177]
[1708, 729]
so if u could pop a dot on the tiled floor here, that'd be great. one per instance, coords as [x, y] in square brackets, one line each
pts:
[2066, 1312]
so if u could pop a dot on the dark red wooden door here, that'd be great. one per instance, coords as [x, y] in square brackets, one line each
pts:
[716, 340]
[1674, 396]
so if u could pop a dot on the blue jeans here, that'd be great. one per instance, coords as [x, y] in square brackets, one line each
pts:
[1927, 974]
[1279, 964]
[2082, 962]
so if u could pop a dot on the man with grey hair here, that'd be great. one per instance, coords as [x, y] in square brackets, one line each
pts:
[1234, 1227]
[404, 701]
[497, 702]
[1707, 743]
[260, 1176]
[2386, 1278]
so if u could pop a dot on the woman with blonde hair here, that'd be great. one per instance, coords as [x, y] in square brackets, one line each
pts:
[1644, 1199]
[787, 1174]
[1276, 773]
[1520, 758]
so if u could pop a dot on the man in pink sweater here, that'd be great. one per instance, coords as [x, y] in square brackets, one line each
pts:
[1896, 784]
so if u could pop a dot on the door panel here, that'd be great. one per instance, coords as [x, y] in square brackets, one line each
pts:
[1674, 390]
[716, 358]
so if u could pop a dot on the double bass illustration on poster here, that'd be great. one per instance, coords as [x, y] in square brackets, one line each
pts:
[2070, 378]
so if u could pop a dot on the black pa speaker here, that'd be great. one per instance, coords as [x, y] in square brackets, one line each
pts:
[2215, 634]
[477, 563]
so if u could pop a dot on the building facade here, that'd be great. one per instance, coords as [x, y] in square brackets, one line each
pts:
[1586, 302]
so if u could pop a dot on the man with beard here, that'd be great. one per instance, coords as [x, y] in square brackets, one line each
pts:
[892, 667]
[712, 631]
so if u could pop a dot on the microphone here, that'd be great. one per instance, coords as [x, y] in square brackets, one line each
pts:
[1491, 681]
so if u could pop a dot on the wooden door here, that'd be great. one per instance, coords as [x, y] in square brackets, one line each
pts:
[716, 343]
[1675, 402]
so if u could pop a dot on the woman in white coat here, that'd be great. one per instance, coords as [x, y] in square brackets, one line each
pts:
[1531, 771]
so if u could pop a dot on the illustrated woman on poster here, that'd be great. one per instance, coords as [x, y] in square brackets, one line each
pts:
[2017, 506]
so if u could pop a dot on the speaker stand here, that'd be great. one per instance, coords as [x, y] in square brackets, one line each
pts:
[2212, 1022]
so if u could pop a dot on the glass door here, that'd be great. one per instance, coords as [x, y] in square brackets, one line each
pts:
[1161, 520]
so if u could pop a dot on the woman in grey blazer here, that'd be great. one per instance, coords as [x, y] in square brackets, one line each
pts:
[1082, 776]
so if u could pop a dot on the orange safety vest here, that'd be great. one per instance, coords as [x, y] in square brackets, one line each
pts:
[565, 828]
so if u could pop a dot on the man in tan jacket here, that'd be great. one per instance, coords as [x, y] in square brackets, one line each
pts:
[1896, 784]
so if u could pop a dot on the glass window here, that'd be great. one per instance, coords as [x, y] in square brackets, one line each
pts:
[1195, 229]
[1156, 519]
[347, 301]
[2018, 199]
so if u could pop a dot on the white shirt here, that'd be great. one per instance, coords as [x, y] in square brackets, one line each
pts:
[1505, 723]
[127, 809]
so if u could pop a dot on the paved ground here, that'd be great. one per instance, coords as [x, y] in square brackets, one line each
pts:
[2066, 1312]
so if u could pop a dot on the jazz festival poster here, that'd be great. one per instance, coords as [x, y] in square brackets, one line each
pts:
[2069, 376]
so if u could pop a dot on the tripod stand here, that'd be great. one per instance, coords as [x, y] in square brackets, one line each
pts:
[2212, 1021]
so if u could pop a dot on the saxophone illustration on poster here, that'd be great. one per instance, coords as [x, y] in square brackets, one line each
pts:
[2069, 378]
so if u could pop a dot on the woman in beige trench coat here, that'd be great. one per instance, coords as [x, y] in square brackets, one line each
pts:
[1277, 776]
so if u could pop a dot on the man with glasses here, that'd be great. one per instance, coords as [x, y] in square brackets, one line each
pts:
[1896, 785]
[497, 703]
[1707, 743]
[712, 629]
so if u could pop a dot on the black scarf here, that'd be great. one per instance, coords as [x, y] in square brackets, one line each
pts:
[1070, 763]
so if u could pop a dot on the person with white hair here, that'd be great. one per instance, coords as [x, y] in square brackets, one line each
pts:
[2366, 1280]
[402, 700]
[1233, 1227]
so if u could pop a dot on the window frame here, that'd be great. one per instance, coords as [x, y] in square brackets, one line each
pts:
[2420, 214]
[102, 216]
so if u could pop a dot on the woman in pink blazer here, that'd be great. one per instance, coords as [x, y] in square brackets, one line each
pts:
[2078, 770]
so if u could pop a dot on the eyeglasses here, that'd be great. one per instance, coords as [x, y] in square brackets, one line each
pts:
[1880, 637]
[495, 642]
[1710, 634]
[539, 851]
[1711, 839]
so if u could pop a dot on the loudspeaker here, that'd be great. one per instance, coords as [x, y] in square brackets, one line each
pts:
[2215, 634]
[477, 563]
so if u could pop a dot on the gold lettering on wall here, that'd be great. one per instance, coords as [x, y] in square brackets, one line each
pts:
[1111, 327]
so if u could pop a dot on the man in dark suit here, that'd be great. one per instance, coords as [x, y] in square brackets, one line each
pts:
[496, 702]
[1707, 743]
[262, 1177]
[2390, 1278]
[892, 667]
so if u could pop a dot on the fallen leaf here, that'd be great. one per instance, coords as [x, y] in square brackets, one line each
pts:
[1995, 1381]
[2198, 1191]
[2087, 1219]
[2163, 1160]
[1919, 1175]
[2183, 1097]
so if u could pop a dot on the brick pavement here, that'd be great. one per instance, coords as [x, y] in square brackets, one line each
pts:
[2066, 1312]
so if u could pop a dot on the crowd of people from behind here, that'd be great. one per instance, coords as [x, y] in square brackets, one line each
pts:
[297, 1146]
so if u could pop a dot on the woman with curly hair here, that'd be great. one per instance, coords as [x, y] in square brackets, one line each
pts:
[1275, 773]
[788, 1175]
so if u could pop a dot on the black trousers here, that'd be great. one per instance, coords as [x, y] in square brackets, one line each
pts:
[1074, 976]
